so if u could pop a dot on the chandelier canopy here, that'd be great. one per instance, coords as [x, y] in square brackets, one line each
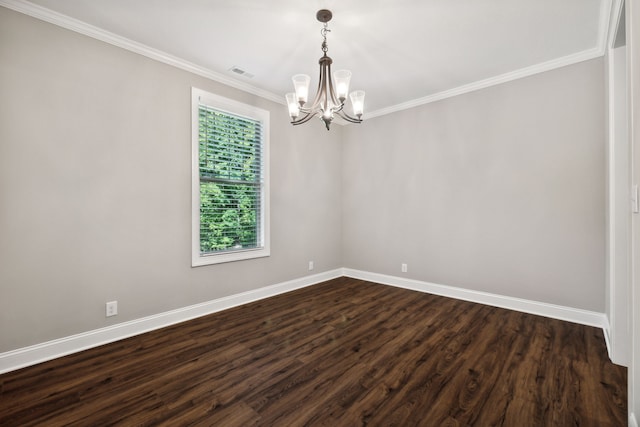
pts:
[332, 89]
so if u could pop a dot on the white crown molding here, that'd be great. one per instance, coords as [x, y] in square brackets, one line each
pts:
[69, 23]
[607, 10]
[613, 21]
[28, 356]
[569, 314]
[81, 27]
[492, 81]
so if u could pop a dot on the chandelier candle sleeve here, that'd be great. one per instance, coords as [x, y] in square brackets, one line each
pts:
[342, 79]
[357, 102]
[333, 90]
[301, 85]
[292, 103]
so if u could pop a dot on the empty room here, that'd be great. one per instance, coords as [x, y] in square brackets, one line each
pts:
[320, 213]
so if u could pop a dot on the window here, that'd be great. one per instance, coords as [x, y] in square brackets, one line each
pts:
[230, 185]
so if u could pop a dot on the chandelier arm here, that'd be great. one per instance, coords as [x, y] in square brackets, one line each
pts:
[347, 117]
[339, 108]
[318, 97]
[325, 86]
[305, 119]
[334, 98]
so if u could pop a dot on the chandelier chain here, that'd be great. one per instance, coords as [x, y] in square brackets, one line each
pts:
[324, 32]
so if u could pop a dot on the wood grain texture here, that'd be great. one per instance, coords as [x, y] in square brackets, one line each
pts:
[342, 353]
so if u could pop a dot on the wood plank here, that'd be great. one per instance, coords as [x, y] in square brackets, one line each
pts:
[342, 353]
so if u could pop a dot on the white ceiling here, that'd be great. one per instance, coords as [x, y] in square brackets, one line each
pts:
[402, 52]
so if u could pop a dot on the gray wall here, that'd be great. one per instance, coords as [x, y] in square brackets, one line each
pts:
[95, 187]
[500, 190]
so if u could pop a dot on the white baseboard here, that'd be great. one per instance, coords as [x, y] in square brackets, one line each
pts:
[49, 350]
[632, 420]
[606, 330]
[575, 315]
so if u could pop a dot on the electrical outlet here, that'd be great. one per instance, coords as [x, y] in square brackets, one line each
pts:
[112, 308]
[310, 265]
[403, 267]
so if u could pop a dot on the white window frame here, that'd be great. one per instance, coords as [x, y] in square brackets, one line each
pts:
[233, 107]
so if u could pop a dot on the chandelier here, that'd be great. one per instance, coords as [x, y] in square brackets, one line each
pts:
[332, 90]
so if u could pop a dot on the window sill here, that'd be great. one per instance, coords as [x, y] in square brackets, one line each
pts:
[229, 257]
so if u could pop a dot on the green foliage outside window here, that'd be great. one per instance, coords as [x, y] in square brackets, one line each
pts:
[230, 181]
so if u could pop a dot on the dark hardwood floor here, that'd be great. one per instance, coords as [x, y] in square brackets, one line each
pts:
[342, 353]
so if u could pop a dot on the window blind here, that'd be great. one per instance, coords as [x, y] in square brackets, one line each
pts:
[231, 181]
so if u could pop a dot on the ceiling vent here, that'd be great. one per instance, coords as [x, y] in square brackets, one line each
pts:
[239, 71]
